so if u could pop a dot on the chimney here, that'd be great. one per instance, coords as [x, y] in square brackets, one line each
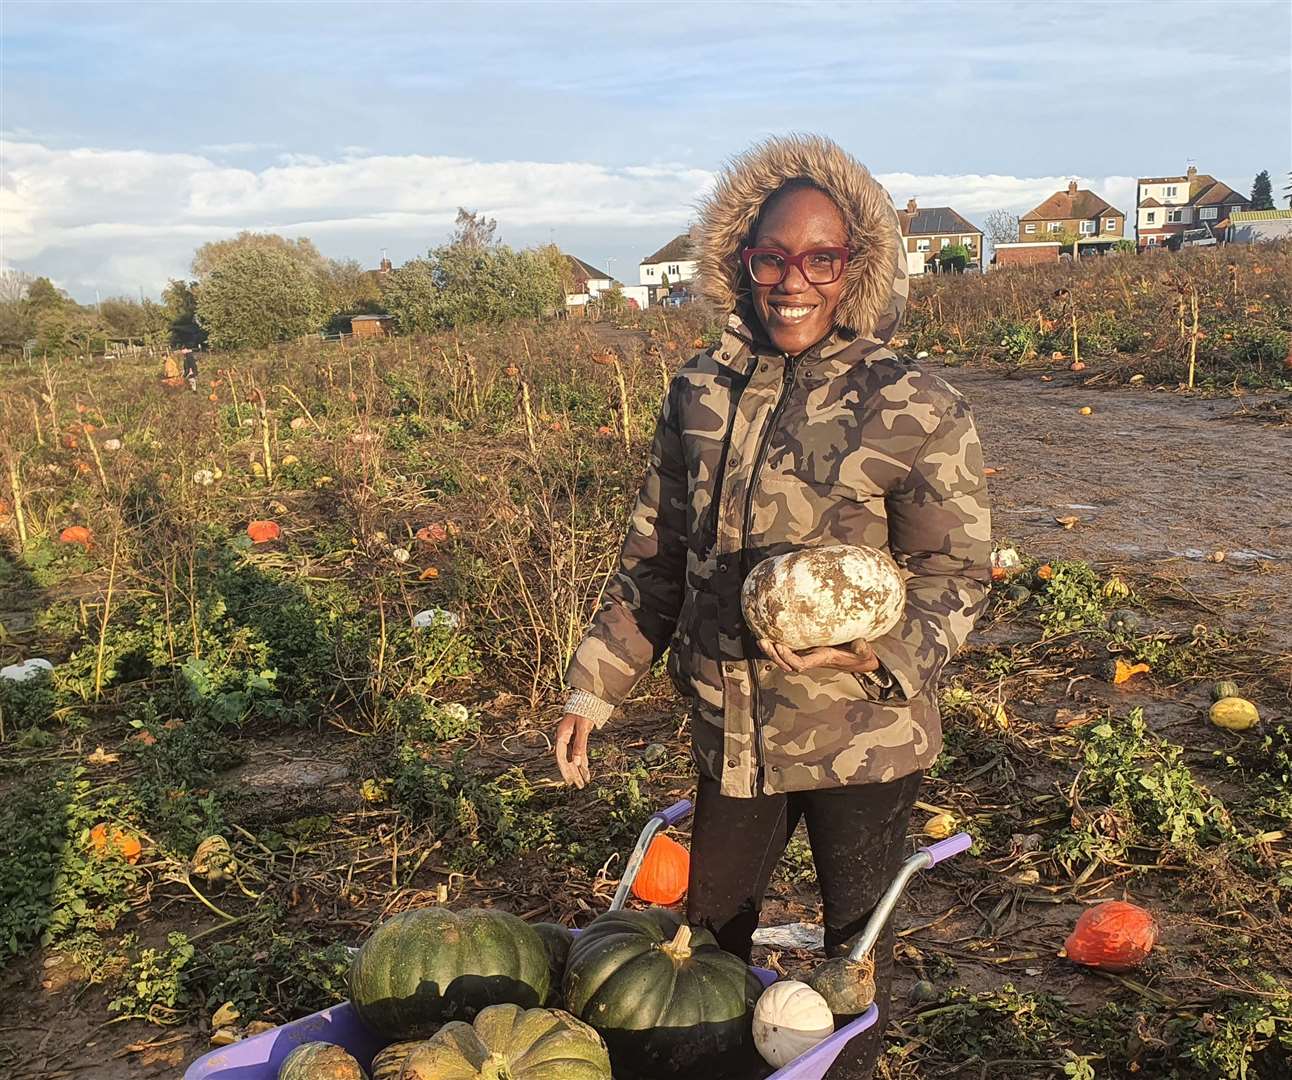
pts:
[1191, 171]
[910, 206]
[1072, 187]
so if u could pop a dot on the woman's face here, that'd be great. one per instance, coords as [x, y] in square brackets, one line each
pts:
[797, 314]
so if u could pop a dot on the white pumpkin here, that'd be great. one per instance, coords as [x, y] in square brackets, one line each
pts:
[824, 596]
[789, 1019]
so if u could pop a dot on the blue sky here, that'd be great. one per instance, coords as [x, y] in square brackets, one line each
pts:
[133, 133]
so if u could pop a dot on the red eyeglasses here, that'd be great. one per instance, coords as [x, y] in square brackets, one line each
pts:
[819, 266]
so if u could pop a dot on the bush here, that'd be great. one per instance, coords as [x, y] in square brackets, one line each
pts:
[255, 297]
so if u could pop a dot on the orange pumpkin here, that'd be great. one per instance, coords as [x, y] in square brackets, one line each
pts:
[605, 359]
[698, 343]
[512, 370]
[77, 534]
[432, 534]
[126, 845]
[664, 872]
[262, 532]
[1115, 936]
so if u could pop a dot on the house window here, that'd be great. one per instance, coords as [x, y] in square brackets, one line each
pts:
[1151, 217]
[673, 270]
[1170, 191]
[1110, 224]
[1208, 213]
[1055, 226]
[1087, 228]
[921, 245]
[1152, 241]
[1029, 228]
[967, 241]
[946, 242]
[1175, 216]
[650, 271]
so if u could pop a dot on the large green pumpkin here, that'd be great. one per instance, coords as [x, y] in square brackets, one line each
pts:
[388, 1062]
[507, 1042]
[667, 1000]
[421, 968]
[320, 1061]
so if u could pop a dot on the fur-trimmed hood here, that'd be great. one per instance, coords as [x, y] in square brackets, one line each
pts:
[875, 282]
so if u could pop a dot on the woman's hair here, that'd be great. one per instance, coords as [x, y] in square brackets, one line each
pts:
[799, 183]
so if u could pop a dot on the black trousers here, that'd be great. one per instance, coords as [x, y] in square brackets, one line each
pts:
[858, 839]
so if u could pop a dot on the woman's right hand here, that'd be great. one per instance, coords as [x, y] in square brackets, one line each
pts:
[572, 749]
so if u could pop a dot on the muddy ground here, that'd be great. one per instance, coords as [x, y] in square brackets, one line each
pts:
[1159, 481]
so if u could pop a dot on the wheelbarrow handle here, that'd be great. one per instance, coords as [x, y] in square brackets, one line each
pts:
[944, 849]
[679, 811]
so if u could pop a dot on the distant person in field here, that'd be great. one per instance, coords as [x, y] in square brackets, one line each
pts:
[801, 428]
[190, 368]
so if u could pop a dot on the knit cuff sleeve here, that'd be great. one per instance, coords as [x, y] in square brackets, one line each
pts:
[589, 706]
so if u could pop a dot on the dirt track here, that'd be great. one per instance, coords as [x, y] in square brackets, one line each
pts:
[1160, 482]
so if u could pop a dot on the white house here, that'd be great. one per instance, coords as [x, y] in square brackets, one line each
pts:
[676, 259]
[589, 281]
[1168, 206]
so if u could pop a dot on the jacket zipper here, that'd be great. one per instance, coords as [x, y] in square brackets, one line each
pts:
[760, 458]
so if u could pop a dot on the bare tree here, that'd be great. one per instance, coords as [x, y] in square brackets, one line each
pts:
[13, 286]
[473, 229]
[1001, 227]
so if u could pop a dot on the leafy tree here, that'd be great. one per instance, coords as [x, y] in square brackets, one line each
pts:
[125, 317]
[953, 257]
[301, 250]
[459, 284]
[256, 295]
[1001, 227]
[43, 296]
[1262, 192]
[348, 289]
[17, 325]
[179, 304]
[612, 301]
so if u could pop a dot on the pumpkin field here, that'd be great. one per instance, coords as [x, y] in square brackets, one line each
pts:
[302, 633]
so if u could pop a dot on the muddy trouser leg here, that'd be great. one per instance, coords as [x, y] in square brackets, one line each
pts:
[858, 838]
[735, 845]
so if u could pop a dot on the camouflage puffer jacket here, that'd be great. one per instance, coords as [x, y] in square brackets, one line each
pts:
[756, 454]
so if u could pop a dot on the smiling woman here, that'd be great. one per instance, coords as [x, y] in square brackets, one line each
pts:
[800, 429]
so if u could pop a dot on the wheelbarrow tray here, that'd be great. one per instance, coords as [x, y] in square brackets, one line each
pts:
[259, 1057]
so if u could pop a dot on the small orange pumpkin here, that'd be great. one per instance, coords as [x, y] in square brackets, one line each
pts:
[698, 343]
[432, 534]
[1115, 936]
[664, 872]
[262, 532]
[127, 846]
[77, 534]
[605, 359]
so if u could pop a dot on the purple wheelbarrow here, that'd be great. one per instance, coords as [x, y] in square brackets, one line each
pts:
[259, 1057]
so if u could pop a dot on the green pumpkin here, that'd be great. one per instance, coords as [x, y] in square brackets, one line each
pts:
[506, 1042]
[388, 1062]
[1225, 688]
[320, 1061]
[665, 998]
[557, 940]
[424, 967]
[1018, 593]
[847, 986]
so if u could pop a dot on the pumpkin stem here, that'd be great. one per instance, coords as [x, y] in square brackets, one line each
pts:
[680, 947]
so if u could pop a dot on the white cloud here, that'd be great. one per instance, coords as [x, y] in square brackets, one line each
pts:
[122, 219]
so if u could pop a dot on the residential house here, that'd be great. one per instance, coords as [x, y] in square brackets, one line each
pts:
[588, 283]
[675, 260]
[1077, 212]
[1257, 226]
[927, 230]
[1166, 207]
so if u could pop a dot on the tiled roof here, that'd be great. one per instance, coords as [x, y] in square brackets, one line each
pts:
[676, 250]
[1064, 206]
[587, 270]
[1215, 194]
[1150, 203]
[935, 221]
[1163, 179]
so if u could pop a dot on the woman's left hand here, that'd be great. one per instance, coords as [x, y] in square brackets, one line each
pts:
[856, 657]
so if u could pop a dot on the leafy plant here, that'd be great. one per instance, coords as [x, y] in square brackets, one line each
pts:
[156, 988]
